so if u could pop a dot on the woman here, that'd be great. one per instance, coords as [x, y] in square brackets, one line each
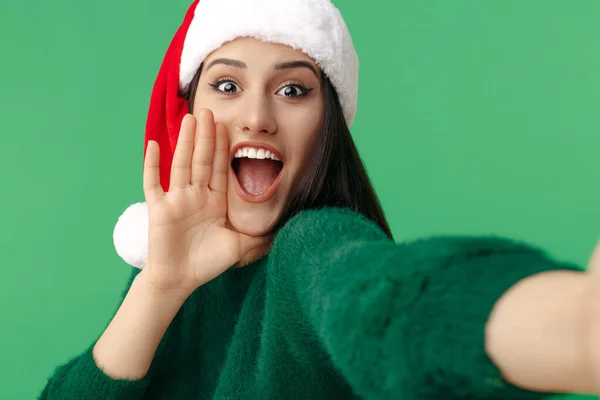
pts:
[249, 164]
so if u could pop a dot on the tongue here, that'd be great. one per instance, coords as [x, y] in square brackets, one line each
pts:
[256, 176]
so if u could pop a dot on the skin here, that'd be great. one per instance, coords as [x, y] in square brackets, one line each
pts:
[199, 228]
[539, 340]
[259, 111]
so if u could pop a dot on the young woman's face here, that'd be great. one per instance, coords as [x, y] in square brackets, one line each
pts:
[270, 98]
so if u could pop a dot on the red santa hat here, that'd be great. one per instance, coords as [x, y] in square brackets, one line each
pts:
[315, 27]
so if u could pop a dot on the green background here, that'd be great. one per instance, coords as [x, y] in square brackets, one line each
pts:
[474, 117]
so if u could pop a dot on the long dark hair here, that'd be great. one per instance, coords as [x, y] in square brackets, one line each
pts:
[336, 176]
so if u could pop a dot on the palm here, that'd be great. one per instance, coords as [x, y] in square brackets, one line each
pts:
[189, 243]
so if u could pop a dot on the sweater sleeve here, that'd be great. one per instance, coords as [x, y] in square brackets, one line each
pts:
[80, 378]
[402, 320]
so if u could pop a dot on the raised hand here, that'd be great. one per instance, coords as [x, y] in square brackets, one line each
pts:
[189, 241]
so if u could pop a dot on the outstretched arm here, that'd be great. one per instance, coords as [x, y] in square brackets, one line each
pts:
[414, 319]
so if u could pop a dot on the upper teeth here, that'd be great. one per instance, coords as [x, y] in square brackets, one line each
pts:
[255, 152]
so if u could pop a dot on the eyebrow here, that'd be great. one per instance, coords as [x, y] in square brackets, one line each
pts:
[227, 61]
[280, 66]
[297, 64]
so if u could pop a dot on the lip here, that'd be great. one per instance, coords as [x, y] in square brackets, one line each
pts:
[260, 198]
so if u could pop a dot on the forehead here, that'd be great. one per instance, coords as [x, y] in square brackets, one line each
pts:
[254, 51]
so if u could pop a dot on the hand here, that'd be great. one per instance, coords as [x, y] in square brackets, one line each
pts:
[593, 311]
[189, 240]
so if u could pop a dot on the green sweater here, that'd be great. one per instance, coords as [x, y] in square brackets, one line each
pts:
[336, 310]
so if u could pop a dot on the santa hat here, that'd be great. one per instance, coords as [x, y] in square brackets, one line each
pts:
[315, 27]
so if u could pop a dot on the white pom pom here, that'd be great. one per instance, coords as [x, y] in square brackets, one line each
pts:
[131, 235]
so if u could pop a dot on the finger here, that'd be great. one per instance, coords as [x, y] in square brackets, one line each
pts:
[152, 189]
[594, 265]
[203, 158]
[180, 169]
[218, 181]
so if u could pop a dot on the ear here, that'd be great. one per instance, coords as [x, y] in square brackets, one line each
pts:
[130, 236]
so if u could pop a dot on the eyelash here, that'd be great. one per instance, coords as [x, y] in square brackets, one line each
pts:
[303, 89]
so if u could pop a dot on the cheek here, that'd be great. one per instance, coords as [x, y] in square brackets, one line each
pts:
[221, 113]
[303, 139]
[310, 129]
[205, 99]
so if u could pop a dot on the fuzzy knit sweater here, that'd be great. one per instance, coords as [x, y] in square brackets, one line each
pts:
[336, 310]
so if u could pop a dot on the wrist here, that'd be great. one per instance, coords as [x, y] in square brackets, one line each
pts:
[146, 286]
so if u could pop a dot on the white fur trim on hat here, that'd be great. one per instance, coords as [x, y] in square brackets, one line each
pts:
[130, 236]
[315, 27]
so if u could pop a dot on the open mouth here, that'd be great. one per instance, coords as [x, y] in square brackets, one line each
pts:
[257, 171]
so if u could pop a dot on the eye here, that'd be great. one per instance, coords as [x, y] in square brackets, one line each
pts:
[294, 90]
[225, 86]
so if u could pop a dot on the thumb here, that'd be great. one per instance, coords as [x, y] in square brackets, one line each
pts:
[253, 247]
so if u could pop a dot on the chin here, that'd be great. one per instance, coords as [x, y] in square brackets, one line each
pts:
[253, 219]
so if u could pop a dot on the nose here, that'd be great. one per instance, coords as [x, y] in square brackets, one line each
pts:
[256, 115]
